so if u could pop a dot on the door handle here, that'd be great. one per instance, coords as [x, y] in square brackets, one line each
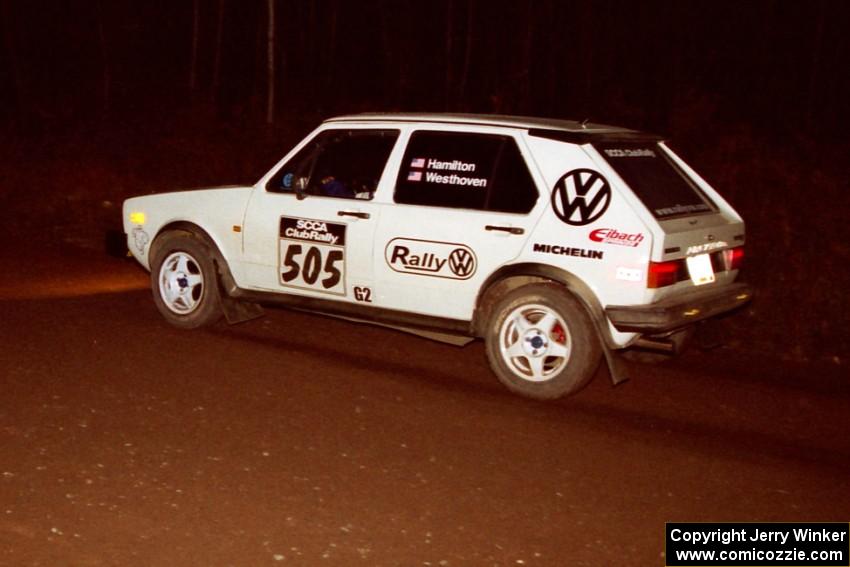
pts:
[508, 229]
[357, 214]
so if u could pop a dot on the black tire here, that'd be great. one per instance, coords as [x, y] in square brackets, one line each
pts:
[541, 342]
[184, 281]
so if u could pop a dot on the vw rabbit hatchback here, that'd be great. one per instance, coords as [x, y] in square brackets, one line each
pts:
[558, 243]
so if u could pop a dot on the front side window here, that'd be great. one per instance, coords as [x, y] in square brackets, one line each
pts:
[337, 163]
[465, 171]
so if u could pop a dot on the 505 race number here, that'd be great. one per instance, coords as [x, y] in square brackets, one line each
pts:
[312, 267]
[312, 255]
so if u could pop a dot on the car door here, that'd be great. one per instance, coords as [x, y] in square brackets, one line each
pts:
[309, 229]
[464, 204]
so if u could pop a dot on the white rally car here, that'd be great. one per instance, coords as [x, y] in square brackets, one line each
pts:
[556, 242]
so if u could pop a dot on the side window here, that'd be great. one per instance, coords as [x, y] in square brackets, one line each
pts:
[465, 171]
[337, 163]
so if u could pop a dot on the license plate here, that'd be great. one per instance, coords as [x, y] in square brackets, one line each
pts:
[700, 270]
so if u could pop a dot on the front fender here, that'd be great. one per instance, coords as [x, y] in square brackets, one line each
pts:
[218, 212]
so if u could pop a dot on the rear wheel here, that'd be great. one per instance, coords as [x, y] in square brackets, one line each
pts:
[541, 342]
[184, 281]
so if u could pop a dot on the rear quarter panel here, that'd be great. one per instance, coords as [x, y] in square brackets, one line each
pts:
[613, 268]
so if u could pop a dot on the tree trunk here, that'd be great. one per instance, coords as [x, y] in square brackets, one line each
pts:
[523, 104]
[106, 84]
[389, 61]
[449, 58]
[330, 59]
[12, 56]
[813, 96]
[270, 68]
[196, 30]
[467, 54]
[219, 32]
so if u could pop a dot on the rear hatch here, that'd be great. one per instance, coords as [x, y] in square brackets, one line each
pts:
[702, 236]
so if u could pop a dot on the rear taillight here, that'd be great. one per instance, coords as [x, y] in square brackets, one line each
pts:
[735, 258]
[662, 274]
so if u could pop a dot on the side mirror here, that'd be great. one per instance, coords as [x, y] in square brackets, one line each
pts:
[301, 188]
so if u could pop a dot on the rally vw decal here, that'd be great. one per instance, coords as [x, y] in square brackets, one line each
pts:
[312, 255]
[430, 258]
[581, 196]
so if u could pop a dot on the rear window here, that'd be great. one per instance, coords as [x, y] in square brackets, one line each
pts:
[657, 181]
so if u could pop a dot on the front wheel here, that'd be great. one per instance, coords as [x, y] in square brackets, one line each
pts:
[184, 281]
[541, 342]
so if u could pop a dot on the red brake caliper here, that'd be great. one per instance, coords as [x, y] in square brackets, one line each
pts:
[558, 334]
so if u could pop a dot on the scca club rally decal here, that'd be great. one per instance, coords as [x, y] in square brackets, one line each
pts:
[312, 255]
[614, 236]
[429, 258]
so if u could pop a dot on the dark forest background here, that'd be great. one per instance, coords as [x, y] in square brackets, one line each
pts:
[775, 65]
[103, 99]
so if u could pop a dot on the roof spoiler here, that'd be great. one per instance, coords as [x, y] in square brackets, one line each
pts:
[587, 137]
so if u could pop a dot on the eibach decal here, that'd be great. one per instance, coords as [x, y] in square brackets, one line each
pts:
[614, 236]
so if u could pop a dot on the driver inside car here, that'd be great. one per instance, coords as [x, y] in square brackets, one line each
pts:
[333, 187]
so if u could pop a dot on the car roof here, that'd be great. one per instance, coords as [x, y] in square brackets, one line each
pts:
[564, 130]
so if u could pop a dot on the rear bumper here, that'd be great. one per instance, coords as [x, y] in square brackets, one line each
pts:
[679, 311]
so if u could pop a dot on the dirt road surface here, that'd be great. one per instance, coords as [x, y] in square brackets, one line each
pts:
[301, 440]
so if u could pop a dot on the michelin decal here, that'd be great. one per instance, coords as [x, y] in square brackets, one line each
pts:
[568, 251]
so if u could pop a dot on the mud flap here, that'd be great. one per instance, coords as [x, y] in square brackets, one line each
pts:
[616, 366]
[236, 311]
[708, 334]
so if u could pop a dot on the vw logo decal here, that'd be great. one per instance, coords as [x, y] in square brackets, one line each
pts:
[461, 262]
[581, 197]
